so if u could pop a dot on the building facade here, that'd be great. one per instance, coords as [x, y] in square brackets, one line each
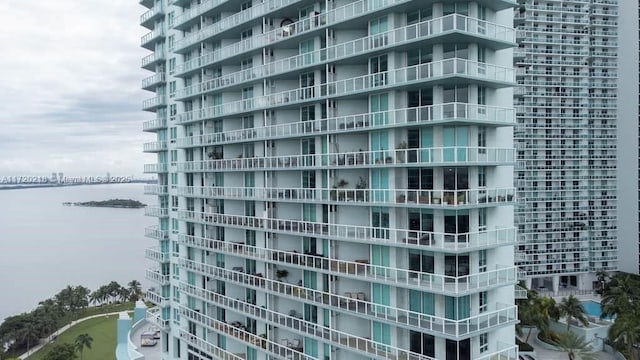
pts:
[335, 178]
[566, 141]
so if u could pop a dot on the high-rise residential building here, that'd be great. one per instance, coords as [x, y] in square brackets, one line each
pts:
[566, 140]
[335, 178]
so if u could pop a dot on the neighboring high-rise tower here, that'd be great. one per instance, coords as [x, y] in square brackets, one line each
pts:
[566, 105]
[335, 178]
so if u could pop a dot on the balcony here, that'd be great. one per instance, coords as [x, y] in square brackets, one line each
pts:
[156, 189]
[146, 3]
[154, 103]
[155, 276]
[447, 28]
[520, 292]
[156, 211]
[437, 72]
[209, 348]
[155, 146]
[152, 81]
[148, 18]
[156, 254]
[365, 197]
[153, 232]
[154, 125]
[418, 116]
[155, 168]
[148, 41]
[184, 20]
[420, 157]
[154, 316]
[498, 315]
[363, 234]
[153, 296]
[149, 62]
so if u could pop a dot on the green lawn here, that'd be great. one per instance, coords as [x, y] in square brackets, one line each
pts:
[101, 329]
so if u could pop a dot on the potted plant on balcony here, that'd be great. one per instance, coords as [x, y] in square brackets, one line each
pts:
[361, 185]
[282, 273]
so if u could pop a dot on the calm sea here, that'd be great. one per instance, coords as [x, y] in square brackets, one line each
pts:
[45, 246]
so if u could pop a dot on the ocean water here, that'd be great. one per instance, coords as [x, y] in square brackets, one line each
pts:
[45, 246]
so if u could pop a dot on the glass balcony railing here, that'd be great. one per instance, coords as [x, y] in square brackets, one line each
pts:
[436, 241]
[459, 112]
[155, 124]
[155, 254]
[155, 276]
[154, 233]
[156, 211]
[367, 197]
[454, 155]
[155, 168]
[437, 71]
[401, 36]
[497, 315]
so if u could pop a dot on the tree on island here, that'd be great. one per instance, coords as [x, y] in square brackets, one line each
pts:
[83, 341]
[571, 308]
[575, 346]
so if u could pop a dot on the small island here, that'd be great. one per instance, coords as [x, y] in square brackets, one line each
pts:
[112, 203]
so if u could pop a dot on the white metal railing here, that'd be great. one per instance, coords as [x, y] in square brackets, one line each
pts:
[150, 36]
[397, 77]
[156, 168]
[157, 123]
[155, 233]
[255, 11]
[154, 315]
[154, 102]
[208, 347]
[336, 337]
[155, 146]
[152, 58]
[153, 296]
[360, 233]
[368, 197]
[157, 9]
[403, 35]
[520, 293]
[358, 122]
[434, 156]
[362, 270]
[153, 80]
[155, 276]
[499, 315]
[155, 189]
[445, 24]
[154, 253]
[156, 211]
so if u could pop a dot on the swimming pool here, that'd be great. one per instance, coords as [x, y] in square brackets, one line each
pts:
[593, 308]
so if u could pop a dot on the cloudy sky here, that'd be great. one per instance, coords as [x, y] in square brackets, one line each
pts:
[70, 92]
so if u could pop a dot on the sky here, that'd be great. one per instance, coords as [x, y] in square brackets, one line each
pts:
[70, 97]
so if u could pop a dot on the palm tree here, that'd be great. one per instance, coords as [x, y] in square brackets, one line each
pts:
[82, 341]
[619, 295]
[135, 290]
[625, 332]
[61, 352]
[576, 345]
[571, 308]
